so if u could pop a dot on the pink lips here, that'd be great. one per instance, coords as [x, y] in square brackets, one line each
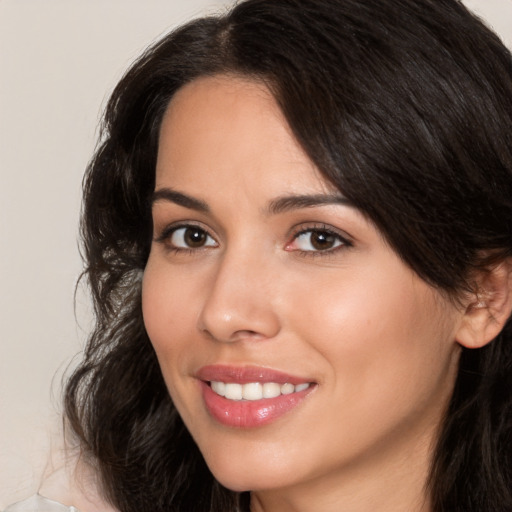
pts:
[250, 413]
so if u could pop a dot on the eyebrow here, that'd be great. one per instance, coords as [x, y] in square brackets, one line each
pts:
[167, 194]
[276, 206]
[296, 202]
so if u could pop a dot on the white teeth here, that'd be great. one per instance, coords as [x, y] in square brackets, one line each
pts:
[233, 391]
[255, 390]
[271, 390]
[286, 389]
[219, 388]
[252, 391]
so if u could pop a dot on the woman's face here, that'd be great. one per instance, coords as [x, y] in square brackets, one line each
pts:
[266, 282]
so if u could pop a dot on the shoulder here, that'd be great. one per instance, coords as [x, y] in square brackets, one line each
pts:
[74, 483]
[69, 484]
[65, 490]
[38, 503]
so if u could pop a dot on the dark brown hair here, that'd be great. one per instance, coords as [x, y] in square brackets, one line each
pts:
[406, 106]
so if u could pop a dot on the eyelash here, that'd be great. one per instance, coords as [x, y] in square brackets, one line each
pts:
[165, 236]
[342, 240]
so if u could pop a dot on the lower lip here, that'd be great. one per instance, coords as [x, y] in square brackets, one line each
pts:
[250, 413]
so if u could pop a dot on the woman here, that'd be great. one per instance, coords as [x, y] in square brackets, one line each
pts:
[298, 230]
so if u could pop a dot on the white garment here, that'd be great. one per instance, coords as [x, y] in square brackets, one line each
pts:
[37, 503]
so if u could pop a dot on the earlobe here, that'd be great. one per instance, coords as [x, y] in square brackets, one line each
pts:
[488, 309]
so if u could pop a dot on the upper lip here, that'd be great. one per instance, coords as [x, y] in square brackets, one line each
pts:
[246, 374]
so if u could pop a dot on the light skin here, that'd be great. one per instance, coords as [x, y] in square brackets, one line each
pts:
[258, 261]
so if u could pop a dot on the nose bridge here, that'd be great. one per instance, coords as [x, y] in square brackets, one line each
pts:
[238, 304]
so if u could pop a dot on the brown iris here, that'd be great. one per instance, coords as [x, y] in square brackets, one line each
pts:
[194, 237]
[322, 240]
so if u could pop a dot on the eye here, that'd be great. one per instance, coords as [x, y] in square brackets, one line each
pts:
[317, 240]
[187, 237]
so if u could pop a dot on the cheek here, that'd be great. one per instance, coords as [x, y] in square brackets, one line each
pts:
[390, 366]
[167, 310]
[378, 332]
[169, 317]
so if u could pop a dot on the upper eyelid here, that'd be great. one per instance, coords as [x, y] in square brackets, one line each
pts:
[168, 229]
[306, 227]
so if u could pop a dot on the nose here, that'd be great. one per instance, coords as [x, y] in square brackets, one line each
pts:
[239, 304]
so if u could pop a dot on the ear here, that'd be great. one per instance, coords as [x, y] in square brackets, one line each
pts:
[489, 308]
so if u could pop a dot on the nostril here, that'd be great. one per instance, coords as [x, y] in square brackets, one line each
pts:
[237, 336]
[228, 318]
[244, 334]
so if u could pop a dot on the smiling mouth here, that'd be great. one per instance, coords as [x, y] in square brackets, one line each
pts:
[252, 391]
[250, 396]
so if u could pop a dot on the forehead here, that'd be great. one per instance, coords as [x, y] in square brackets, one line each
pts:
[230, 127]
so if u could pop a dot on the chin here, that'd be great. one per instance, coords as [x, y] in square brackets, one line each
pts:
[241, 473]
[249, 481]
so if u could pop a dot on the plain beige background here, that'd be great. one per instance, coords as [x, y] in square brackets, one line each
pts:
[59, 59]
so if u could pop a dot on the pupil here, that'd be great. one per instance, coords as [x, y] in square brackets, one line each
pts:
[321, 240]
[195, 237]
